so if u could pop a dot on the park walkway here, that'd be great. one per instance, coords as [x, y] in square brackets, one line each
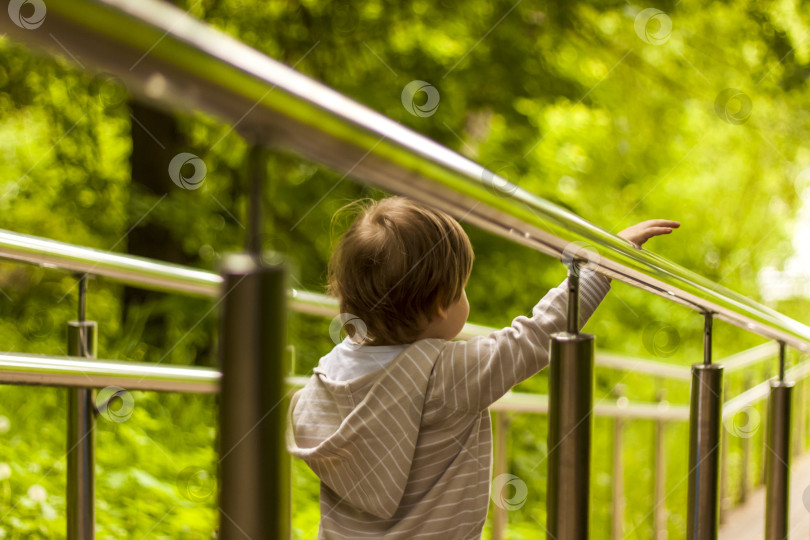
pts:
[747, 521]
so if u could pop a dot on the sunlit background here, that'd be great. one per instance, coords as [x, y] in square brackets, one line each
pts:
[694, 111]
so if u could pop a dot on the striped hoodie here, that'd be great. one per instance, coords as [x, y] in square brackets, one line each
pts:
[404, 451]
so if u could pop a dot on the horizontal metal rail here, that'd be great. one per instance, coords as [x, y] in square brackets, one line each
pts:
[166, 56]
[74, 371]
[77, 371]
[760, 391]
[157, 275]
[129, 269]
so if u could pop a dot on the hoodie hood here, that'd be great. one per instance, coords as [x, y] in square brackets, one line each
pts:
[359, 435]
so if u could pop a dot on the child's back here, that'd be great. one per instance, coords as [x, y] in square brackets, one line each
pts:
[399, 433]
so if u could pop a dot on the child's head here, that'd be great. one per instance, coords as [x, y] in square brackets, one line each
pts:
[401, 268]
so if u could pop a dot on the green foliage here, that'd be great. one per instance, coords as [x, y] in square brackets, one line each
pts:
[562, 98]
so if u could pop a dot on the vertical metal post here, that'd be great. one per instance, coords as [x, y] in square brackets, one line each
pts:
[256, 164]
[777, 457]
[289, 389]
[704, 443]
[798, 440]
[254, 465]
[617, 507]
[573, 299]
[81, 432]
[570, 423]
[660, 508]
[745, 465]
[724, 498]
[764, 427]
[499, 466]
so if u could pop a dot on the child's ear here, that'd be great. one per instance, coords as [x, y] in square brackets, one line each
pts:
[441, 312]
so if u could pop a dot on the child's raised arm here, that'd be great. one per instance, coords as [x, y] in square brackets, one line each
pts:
[471, 375]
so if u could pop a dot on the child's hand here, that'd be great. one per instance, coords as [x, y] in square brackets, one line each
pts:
[641, 232]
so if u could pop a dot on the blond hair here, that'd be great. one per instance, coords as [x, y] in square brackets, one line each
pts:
[396, 265]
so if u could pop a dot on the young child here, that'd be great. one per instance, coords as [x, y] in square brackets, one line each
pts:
[394, 420]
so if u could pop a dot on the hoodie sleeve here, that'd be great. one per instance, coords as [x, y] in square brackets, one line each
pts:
[471, 375]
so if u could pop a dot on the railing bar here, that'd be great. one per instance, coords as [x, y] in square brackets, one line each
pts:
[256, 176]
[129, 269]
[82, 296]
[660, 508]
[311, 303]
[203, 68]
[749, 357]
[81, 430]
[759, 392]
[617, 502]
[707, 338]
[44, 370]
[781, 361]
[75, 371]
[307, 302]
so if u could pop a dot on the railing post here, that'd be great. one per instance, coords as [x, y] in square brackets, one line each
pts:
[724, 497]
[617, 507]
[81, 432]
[660, 508]
[745, 464]
[798, 415]
[499, 466]
[764, 426]
[777, 457]
[570, 424]
[704, 443]
[254, 467]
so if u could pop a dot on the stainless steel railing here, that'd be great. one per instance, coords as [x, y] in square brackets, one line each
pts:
[180, 62]
[174, 60]
[170, 277]
[17, 368]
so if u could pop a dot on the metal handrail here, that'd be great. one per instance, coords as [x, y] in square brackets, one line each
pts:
[145, 273]
[179, 61]
[80, 372]
[157, 275]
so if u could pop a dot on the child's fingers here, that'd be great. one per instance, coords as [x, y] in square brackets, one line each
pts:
[657, 231]
[662, 223]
